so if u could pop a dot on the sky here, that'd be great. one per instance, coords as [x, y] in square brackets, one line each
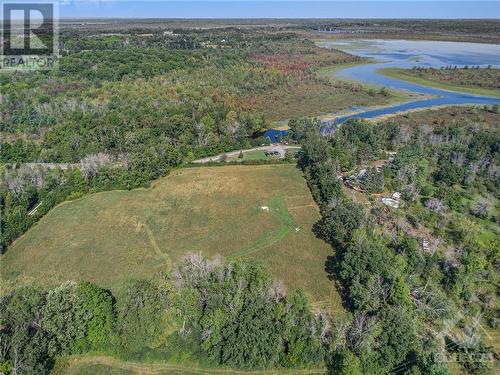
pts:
[278, 9]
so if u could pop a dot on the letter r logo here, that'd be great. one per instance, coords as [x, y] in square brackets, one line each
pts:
[28, 29]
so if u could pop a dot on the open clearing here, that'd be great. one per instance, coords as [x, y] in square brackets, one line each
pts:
[113, 236]
[96, 365]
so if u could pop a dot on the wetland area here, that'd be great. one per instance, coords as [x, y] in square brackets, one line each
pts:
[405, 54]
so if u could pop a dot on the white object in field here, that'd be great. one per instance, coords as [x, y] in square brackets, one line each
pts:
[264, 208]
[425, 245]
[390, 202]
[396, 195]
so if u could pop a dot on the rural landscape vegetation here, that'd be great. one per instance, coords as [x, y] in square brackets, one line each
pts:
[149, 226]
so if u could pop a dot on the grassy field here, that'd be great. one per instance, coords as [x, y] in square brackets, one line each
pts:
[301, 93]
[406, 75]
[113, 236]
[100, 365]
[314, 98]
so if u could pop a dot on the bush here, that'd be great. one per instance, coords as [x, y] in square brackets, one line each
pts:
[480, 209]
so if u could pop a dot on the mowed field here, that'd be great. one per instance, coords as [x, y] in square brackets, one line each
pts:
[113, 236]
[100, 365]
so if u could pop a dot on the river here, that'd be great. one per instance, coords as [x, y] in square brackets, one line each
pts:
[407, 54]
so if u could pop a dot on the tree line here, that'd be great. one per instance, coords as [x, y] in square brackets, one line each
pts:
[217, 312]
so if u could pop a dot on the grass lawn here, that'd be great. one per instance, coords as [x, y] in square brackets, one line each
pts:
[113, 236]
[251, 155]
[403, 75]
[255, 155]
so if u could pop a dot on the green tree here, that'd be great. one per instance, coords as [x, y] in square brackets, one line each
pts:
[339, 222]
[77, 316]
[241, 318]
[97, 304]
[21, 332]
[374, 181]
[143, 315]
[344, 362]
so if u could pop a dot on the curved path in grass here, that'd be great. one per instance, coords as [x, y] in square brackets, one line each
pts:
[406, 54]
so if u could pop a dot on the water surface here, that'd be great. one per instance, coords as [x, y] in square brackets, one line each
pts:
[407, 54]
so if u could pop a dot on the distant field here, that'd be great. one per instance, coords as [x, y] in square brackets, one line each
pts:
[472, 81]
[445, 115]
[113, 236]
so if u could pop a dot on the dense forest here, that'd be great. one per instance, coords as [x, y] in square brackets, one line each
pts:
[421, 279]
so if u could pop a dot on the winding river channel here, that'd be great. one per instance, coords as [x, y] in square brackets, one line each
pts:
[407, 54]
